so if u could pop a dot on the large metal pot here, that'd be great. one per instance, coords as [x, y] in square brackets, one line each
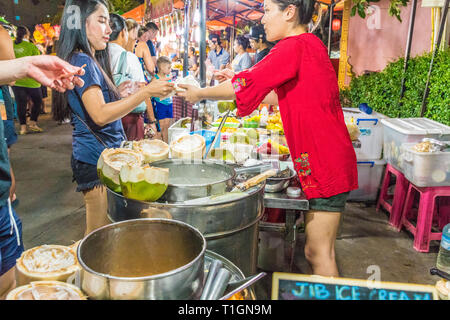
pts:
[156, 259]
[230, 227]
[190, 179]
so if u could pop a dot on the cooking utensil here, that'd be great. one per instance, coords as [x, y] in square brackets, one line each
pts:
[440, 273]
[255, 180]
[224, 119]
[278, 184]
[143, 259]
[213, 270]
[219, 284]
[237, 286]
[195, 179]
[236, 192]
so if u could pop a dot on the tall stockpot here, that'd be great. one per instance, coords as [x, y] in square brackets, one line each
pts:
[151, 259]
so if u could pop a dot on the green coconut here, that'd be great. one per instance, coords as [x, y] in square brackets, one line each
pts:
[110, 163]
[143, 183]
[152, 150]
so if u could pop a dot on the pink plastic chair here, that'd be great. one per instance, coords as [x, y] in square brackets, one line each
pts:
[401, 186]
[426, 213]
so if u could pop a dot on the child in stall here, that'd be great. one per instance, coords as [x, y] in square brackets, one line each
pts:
[163, 108]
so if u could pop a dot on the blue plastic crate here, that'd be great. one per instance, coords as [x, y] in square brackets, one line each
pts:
[209, 137]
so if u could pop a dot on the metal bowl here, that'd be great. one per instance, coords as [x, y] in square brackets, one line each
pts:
[149, 259]
[195, 179]
[279, 184]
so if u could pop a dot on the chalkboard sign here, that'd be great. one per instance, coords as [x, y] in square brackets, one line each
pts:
[288, 286]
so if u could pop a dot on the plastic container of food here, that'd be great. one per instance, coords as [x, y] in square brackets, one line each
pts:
[371, 136]
[370, 174]
[425, 169]
[409, 130]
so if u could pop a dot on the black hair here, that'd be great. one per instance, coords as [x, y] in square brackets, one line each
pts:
[243, 41]
[20, 34]
[215, 36]
[73, 39]
[192, 49]
[117, 24]
[152, 25]
[305, 8]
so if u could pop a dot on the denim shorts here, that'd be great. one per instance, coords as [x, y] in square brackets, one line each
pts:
[9, 250]
[333, 204]
[85, 175]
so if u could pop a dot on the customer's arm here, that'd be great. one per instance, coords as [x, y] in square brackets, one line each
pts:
[103, 113]
[47, 70]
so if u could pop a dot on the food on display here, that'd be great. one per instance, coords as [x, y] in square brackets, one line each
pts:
[352, 128]
[280, 149]
[221, 154]
[191, 146]
[110, 163]
[47, 262]
[152, 150]
[143, 183]
[272, 149]
[241, 152]
[225, 105]
[425, 146]
[239, 137]
[46, 290]
[443, 289]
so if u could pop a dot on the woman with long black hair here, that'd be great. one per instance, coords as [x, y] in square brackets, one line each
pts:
[95, 108]
[298, 76]
[27, 88]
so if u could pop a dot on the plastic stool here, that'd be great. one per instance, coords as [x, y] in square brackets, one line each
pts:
[427, 210]
[395, 209]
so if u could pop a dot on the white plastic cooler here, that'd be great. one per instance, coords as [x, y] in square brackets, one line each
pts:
[370, 174]
[371, 138]
[408, 130]
[425, 169]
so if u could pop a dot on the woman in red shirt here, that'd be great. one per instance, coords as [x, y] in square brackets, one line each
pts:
[298, 76]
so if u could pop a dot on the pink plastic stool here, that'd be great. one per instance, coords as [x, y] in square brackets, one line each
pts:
[425, 214]
[395, 209]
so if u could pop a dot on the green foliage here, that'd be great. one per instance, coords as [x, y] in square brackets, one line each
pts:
[361, 6]
[381, 90]
[122, 6]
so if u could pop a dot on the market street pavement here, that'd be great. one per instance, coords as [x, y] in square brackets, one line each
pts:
[53, 213]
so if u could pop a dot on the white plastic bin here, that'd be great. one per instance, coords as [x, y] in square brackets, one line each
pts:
[425, 169]
[399, 131]
[371, 138]
[370, 174]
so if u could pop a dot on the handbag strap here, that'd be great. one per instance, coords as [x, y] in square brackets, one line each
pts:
[84, 122]
[121, 69]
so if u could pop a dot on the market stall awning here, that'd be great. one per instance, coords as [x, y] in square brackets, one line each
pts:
[220, 12]
[136, 13]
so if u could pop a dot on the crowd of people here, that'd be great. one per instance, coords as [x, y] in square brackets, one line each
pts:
[109, 80]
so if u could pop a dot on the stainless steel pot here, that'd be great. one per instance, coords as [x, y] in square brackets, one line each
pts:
[230, 227]
[153, 259]
[195, 179]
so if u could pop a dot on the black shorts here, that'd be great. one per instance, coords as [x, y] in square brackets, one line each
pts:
[85, 175]
[334, 203]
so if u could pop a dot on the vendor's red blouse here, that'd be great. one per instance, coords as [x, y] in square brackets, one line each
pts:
[300, 72]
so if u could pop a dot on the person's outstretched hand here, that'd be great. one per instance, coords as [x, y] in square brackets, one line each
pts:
[223, 75]
[192, 93]
[160, 88]
[54, 72]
